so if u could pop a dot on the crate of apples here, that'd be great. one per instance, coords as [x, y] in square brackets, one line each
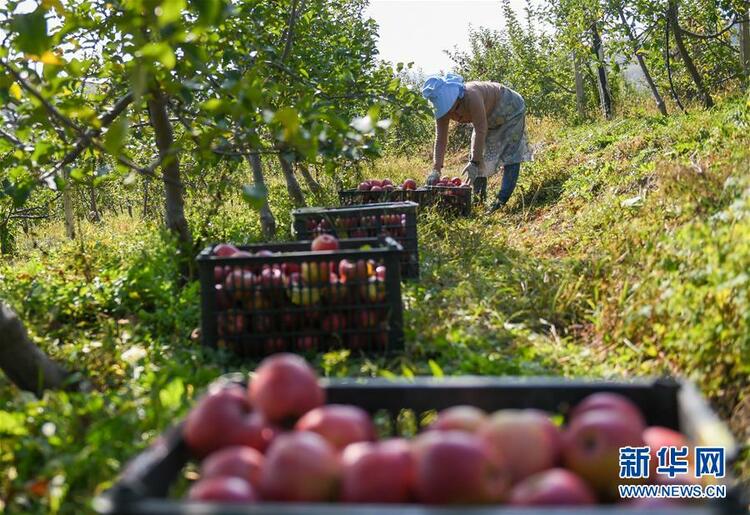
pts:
[449, 195]
[395, 219]
[302, 296]
[287, 437]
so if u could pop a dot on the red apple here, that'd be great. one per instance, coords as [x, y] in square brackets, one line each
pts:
[225, 250]
[364, 186]
[339, 424]
[410, 184]
[301, 467]
[656, 437]
[376, 182]
[238, 461]
[591, 447]
[307, 343]
[456, 181]
[527, 440]
[387, 182]
[376, 188]
[285, 387]
[223, 489]
[333, 323]
[381, 472]
[554, 487]
[324, 242]
[453, 467]
[609, 401]
[459, 418]
[290, 268]
[239, 284]
[223, 418]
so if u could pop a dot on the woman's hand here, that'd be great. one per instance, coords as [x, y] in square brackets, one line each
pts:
[472, 171]
[433, 177]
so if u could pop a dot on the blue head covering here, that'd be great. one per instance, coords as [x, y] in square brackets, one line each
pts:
[443, 92]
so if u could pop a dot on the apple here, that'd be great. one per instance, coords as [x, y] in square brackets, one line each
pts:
[364, 186]
[239, 283]
[609, 401]
[459, 418]
[333, 323]
[262, 323]
[456, 181]
[376, 182]
[340, 424]
[221, 272]
[222, 298]
[380, 472]
[274, 344]
[271, 278]
[376, 188]
[304, 295]
[656, 437]
[223, 418]
[554, 487]
[307, 342]
[387, 182]
[380, 272]
[453, 467]
[527, 439]
[591, 447]
[225, 250]
[324, 242]
[285, 387]
[300, 466]
[290, 268]
[230, 323]
[364, 318]
[224, 489]
[410, 184]
[373, 291]
[315, 273]
[236, 461]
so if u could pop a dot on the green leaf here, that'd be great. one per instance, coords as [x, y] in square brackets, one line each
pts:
[209, 11]
[162, 52]
[435, 368]
[77, 175]
[255, 195]
[115, 138]
[170, 11]
[171, 395]
[31, 32]
[12, 424]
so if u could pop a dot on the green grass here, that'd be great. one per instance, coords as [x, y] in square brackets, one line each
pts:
[625, 251]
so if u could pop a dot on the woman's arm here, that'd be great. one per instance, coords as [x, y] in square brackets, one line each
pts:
[441, 142]
[479, 120]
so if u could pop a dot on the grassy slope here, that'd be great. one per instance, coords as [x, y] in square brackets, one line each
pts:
[625, 251]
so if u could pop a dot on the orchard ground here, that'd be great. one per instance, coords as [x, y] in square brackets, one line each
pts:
[625, 251]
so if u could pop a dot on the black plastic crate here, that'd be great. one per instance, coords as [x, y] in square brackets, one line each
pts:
[285, 300]
[455, 200]
[451, 200]
[395, 219]
[145, 483]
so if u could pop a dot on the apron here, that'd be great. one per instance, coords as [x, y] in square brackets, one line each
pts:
[507, 142]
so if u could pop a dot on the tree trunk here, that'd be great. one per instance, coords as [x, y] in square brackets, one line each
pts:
[174, 204]
[22, 361]
[67, 199]
[267, 220]
[580, 94]
[674, 23]
[745, 42]
[602, 83]
[93, 210]
[145, 198]
[314, 185]
[291, 182]
[642, 63]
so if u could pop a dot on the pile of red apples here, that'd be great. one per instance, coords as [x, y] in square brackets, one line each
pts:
[278, 441]
[358, 226]
[300, 306]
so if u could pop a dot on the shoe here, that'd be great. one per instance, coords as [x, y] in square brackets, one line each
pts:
[496, 206]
